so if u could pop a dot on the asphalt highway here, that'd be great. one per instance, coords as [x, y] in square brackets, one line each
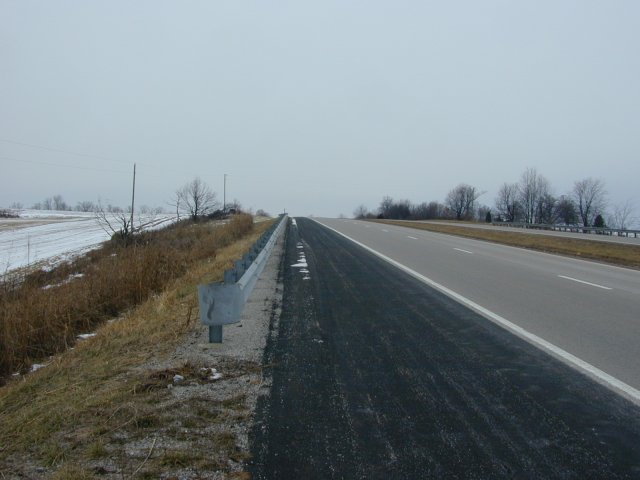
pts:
[376, 374]
[588, 309]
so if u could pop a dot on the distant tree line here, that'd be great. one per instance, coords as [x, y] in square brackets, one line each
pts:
[57, 203]
[195, 200]
[530, 200]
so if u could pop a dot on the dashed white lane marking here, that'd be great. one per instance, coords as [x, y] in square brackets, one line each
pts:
[412, 238]
[463, 251]
[586, 283]
[600, 376]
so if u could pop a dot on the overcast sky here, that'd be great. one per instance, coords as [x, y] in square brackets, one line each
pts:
[316, 107]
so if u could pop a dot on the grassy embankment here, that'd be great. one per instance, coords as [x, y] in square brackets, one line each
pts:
[81, 406]
[608, 252]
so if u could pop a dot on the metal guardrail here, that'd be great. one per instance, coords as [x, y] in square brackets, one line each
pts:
[222, 303]
[571, 228]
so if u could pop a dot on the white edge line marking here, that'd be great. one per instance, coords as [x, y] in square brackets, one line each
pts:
[412, 238]
[586, 283]
[602, 377]
[463, 251]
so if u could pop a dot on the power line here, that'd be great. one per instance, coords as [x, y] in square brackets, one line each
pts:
[60, 150]
[156, 172]
[63, 165]
[86, 155]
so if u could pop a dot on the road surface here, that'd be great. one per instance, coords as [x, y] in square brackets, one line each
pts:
[588, 309]
[377, 375]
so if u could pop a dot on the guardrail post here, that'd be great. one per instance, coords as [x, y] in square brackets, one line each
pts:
[215, 333]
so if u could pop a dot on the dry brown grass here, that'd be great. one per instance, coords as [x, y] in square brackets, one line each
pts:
[43, 314]
[77, 410]
[617, 254]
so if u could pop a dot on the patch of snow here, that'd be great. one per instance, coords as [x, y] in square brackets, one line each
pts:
[293, 222]
[67, 280]
[300, 265]
[84, 336]
[177, 379]
[37, 366]
[215, 375]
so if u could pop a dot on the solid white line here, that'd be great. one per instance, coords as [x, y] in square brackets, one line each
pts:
[586, 283]
[463, 251]
[412, 238]
[600, 376]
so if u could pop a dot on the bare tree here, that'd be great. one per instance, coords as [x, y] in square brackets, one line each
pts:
[566, 210]
[85, 206]
[114, 223]
[483, 214]
[589, 195]
[623, 215]
[531, 190]
[546, 209]
[401, 210]
[507, 205]
[385, 207]
[461, 200]
[59, 203]
[234, 206]
[196, 198]
[360, 212]
[434, 210]
[420, 211]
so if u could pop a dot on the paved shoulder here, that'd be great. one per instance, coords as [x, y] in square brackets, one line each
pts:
[375, 375]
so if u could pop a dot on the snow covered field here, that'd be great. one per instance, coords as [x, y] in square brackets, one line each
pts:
[52, 237]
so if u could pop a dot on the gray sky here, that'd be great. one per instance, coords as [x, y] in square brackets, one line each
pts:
[316, 107]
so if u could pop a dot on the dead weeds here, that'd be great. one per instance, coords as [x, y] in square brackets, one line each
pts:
[43, 313]
[93, 412]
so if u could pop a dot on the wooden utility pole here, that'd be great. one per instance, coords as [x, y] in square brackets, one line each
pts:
[133, 196]
[224, 195]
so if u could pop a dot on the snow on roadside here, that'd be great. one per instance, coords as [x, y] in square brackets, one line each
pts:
[54, 214]
[302, 262]
[63, 236]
